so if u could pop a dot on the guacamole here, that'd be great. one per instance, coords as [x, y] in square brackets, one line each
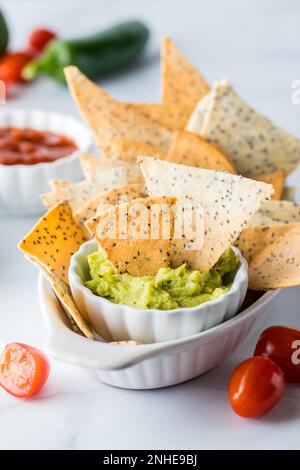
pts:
[168, 289]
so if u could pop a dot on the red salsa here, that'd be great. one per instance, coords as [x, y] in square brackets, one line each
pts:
[29, 146]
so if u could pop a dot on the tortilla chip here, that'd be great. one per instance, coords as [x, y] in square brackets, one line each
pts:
[191, 150]
[128, 150]
[57, 185]
[110, 119]
[255, 145]
[278, 265]
[277, 212]
[53, 240]
[183, 86]
[78, 194]
[131, 246]
[93, 165]
[108, 199]
[64, 295]
[254, 239]
[229, 201]
[166, 114]
[277, 180]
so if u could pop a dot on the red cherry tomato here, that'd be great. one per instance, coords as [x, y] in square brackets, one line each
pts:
[255, 386]
[11, 66]
[40, 38]
[23, 370]
[282, 345]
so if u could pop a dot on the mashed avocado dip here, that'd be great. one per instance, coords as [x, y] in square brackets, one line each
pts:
[168, 289]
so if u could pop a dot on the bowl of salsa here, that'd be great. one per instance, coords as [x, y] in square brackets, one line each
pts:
[36, 146]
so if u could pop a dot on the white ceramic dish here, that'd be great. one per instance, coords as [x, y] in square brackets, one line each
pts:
[116, 322]
[22, 185]
[151, 365]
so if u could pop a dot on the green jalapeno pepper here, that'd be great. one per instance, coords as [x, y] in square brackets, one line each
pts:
[4, 35]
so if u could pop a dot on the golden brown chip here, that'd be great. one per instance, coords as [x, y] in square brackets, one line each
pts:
[277, 180]
[128, 150]
[183, 86]
[136, 236]
[278, 265]
[110, 119]
[53, 240]
[191, 150]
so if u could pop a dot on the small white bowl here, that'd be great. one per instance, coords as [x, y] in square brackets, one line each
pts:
[117, 322]
[22, 185]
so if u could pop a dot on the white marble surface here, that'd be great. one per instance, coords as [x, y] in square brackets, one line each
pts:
[256, 45]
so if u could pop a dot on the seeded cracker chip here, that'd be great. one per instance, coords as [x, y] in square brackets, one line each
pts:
[79, 193]
[277, 180]
[229, 201]
[183, 86]
[57, 185]
[49, 246]
[110, 119]
[277, 212]
[255, 145]
[128, 150]
[125, 232]
[190, 149]
[254, 239]
[108, 199]
[93, 165]
[278, 265]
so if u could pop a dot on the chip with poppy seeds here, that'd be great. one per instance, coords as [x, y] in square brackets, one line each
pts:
[254, 144]
[278, 265]
[78, 194]
[93, 165]
[110, 119]
[277, 212]
[190, 149]
[276, 179]
[128, 150]
[53, 240]
[57, 185]
[136, 236]
[183, 86]
[229, 201]
[253, 239]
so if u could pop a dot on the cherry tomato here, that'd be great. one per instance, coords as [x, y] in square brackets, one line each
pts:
[11, 66]
[255, 386]
[23, 370]
[40, 38]
[282, 345]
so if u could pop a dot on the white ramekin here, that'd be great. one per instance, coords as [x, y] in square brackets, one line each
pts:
[117, 322]
[22, 185]
[148, 365]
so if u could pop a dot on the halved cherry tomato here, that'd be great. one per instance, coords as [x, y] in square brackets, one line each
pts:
[282, 345]
[40, 38]
[23, 369]
[255, 386]
[11, 66]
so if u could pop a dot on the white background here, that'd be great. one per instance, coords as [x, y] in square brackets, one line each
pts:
[256, 45]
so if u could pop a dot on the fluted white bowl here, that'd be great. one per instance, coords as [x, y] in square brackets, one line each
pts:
[22, 185]
[117, 322]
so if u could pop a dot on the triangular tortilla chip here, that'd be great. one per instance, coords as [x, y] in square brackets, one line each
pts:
[93, 165]
[78, 194]
[167, 114]
[278, 265]
[108, 199]
[190, 149]
[64, 295]
[57, 185]
[254, 144]
[277, 180]
[229, 201]
[110, 119]
[53, 240]
[125, 232]
[128, 150]
[254, 239]
[277, 212]
[183, 86]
